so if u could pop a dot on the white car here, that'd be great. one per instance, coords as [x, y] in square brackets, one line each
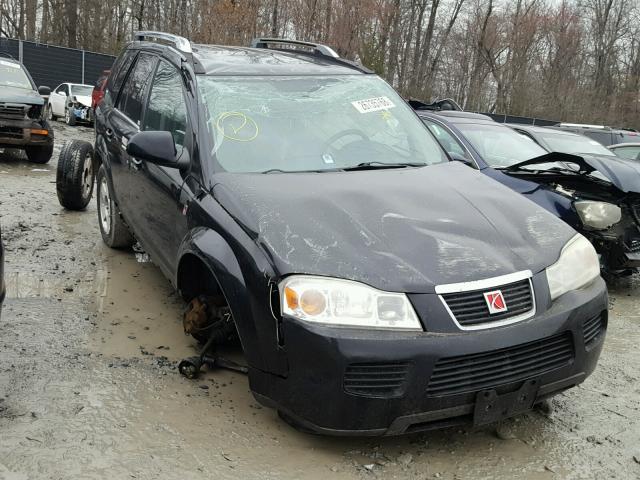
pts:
[71, 101]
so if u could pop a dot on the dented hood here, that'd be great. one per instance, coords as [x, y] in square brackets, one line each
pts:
[20, 96]
[621, 173]
[624, 174]
[401, 230]
[83, 100]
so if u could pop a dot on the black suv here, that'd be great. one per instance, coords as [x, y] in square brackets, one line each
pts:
[376, 287]
[22, 120]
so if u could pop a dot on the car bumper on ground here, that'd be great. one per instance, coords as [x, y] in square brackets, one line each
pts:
[21, 133]
[350, 382]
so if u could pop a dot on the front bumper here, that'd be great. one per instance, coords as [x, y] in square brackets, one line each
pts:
[318, 394]
[17, 133]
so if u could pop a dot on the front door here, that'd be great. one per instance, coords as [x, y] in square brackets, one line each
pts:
[160, 197]
[58, 99]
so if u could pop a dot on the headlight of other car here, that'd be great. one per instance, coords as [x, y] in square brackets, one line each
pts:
[598, 215]
[577, 266]
[333, 301]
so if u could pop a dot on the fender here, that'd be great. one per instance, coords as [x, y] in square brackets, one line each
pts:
[213, 250]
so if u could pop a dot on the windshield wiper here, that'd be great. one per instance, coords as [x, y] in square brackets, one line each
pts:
[375, 165]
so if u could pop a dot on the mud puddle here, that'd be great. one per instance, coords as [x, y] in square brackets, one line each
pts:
[89, 343]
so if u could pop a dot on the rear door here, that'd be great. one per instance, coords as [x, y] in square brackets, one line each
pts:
[124, 122]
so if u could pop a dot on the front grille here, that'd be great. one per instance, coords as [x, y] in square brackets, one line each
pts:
[481, 371]
[11, 132]
[634, 246]
[13, 111]
[592, 328]
[376, 379]
[470, 308]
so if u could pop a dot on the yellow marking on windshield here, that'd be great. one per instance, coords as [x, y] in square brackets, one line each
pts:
[237, 126]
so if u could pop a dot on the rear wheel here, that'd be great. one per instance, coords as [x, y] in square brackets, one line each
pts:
[75, 177]
[39, 154]
[50, 116]
[115, 232]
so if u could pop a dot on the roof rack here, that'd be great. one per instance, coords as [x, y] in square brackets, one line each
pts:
[581, 125]
[180, 43]
[316, 48]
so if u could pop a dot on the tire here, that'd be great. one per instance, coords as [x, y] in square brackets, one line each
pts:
[50, 116]
[69, 119]
[114, 231]
[40, 154]
[75, 178]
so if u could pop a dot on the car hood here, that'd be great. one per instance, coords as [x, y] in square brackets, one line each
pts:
[83, 99]
[401, 230]
[20, 95]
[624, 174]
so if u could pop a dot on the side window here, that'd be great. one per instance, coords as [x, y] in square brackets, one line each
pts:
[630, 153]
[120, 69]
[131, 98]
[167, 110]
[63, 89]
[448, 141]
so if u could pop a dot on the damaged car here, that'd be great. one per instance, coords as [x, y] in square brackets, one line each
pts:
[73, 102]
[572, 176]
[22, 120]
[299, 205]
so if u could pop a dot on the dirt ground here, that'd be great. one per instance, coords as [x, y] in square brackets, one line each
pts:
[89, 343]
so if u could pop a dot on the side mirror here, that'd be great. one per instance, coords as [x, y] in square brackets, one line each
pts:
[456, 157]
[157, 147]
[44, 91]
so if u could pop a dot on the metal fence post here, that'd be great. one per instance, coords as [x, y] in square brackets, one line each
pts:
[20, 59]
[82, 66]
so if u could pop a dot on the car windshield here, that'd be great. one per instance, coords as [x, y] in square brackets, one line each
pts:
[12, 75]
[500, 146]
[312, 123]
[576, 144]
[81, 90]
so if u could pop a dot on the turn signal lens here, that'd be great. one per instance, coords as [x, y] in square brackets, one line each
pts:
[313, 302]
[35, 131]
[291, 297]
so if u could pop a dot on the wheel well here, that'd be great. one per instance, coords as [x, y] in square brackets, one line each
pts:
[195, 278]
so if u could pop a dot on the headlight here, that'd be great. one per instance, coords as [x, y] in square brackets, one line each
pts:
[333, 301]
[577, 266]
[598, 215]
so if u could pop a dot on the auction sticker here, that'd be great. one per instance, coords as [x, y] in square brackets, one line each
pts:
[373, 104]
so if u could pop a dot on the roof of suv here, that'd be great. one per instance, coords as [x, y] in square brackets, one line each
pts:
[224, 60]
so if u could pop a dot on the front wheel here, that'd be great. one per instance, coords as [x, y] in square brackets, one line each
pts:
[114, 231]
[39, 154]
[75, 177]
[69, 117]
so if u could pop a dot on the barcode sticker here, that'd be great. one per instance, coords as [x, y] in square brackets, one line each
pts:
[373, 104]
